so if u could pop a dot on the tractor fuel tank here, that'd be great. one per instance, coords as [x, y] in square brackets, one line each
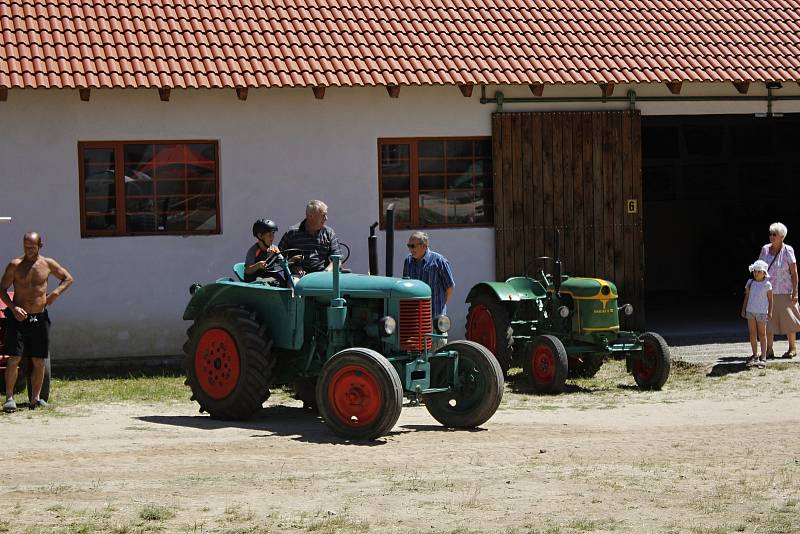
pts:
[595, 303]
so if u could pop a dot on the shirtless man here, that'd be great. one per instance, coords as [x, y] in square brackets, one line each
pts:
[28, 325]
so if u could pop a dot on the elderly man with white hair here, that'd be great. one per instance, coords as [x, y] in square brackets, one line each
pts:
[782, 268]
[317, 241]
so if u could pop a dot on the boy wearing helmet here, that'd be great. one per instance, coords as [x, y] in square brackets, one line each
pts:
[260, 255]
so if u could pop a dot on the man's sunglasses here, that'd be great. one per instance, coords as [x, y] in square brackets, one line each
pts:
[412, 245]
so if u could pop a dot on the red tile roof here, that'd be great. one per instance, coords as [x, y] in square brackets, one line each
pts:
[251, 43]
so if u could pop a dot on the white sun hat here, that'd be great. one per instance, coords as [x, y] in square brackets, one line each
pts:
[760, 265]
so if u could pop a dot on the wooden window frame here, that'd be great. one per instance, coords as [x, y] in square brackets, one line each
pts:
[119, 173]
[414, 223]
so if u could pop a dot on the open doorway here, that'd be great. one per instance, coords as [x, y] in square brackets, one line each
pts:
[712, 184]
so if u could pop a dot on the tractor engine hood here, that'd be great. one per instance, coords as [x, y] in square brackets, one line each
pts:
[362, 286]
[588, 288]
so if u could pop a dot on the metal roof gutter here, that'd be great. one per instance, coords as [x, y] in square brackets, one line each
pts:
[631, 98]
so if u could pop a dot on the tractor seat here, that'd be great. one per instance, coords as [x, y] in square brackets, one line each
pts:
[238, 270]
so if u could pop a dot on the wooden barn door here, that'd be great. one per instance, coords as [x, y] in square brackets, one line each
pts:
[580, 173]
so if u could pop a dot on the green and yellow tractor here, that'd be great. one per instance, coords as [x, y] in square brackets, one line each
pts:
[352, 345]
[557, 327]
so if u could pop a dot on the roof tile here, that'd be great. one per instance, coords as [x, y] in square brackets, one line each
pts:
[203, 43]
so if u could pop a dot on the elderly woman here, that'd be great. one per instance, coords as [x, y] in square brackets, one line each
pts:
[783, 275]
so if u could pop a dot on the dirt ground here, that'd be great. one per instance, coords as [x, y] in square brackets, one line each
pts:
[722, 455]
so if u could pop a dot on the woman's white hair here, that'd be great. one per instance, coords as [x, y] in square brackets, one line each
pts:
[778, 228]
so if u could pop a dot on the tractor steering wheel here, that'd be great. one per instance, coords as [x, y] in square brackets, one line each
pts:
[273, 258]
[544, 277]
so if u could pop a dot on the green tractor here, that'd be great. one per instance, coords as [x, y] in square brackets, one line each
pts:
[557, 327]
[352, 345]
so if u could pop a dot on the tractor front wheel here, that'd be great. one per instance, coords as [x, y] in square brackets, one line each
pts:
[478, 392]
[228, 363]
[547, 366]
[650, 367]
[359, 394]
[489, 323]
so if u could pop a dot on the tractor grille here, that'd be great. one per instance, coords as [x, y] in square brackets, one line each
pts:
[415, 324]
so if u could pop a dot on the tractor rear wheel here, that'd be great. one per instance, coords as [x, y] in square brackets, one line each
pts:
[489, 323]
[228, 363]
[650, 368]
[478, 393]
[359, 394]
[584, 366]
[546, 365]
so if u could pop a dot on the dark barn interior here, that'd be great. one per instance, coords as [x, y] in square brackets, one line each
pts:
[712, 185]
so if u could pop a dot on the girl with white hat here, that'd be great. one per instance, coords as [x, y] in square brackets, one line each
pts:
[757, 309]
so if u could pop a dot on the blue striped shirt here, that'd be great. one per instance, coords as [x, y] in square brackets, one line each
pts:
[434, 270]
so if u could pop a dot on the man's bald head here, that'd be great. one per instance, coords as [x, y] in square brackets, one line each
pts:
[33, 237]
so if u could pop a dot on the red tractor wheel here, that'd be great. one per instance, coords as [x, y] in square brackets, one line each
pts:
[546, 365]
[359, 394]
[489, 323]
[651, 366]
[228, 363]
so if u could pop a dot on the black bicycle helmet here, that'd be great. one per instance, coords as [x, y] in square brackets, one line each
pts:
[264, 225]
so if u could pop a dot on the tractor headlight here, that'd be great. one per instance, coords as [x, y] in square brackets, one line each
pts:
[563, 311]
[387, 326]
[627, 309]
[442, 324]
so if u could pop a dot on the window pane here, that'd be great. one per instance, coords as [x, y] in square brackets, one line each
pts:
[138, 153]
[138, 172]
[174, 203]
[202, 220]
[402, 213]
[394, 167]
[171, 171]
[431, 165]
[170, 154]
[459, 165]
[430, 149]
[101, 222]
[432, 209]
[459, 181]
[101, 157]
[197, 187]
[202, 203]
[431, 181]
[99, 183]
[138, 204]
[200, 170]
[484, 207]
[459, 149]
[138, 187]
[201, 152]
[460, 207]
[141, 221]
[483, 148]
[395, 183]
[394, 151]
[171, 221]
[170, 187]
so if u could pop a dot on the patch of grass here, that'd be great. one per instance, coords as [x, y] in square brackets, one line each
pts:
[155, 512]
[235, 513]
[590, 525]
[338, 524]
[5, 526]
[69, 392]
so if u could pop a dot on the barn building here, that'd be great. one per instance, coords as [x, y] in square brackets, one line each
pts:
[142, 138]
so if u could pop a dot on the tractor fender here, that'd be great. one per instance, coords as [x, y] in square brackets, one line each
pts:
[512, 290]
[501, 290]
[208, 296]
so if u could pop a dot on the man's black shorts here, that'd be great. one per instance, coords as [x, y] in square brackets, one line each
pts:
[29, 338]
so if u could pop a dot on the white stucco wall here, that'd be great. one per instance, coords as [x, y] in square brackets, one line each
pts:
[278, 149]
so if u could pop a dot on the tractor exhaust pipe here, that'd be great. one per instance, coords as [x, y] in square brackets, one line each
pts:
[557, 256]
[372, 249]
[390, 240]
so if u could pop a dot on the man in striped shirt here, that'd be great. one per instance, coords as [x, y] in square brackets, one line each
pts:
[432, 268]
[317, 241]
